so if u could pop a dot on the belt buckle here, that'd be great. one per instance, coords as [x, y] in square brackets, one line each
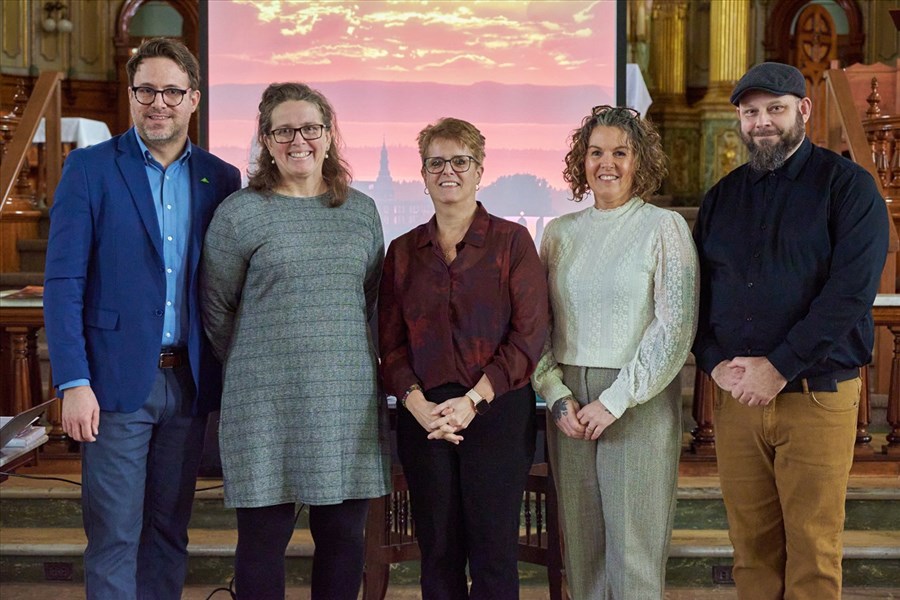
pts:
[164, 359]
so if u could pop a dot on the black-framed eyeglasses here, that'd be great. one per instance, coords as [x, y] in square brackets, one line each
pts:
[459, 163]
[605, 108]
[286, 135]
[147, 95]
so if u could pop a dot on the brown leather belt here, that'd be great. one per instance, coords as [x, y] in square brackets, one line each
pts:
[172, 358]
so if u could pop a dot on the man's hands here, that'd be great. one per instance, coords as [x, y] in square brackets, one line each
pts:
[751, 380]
[727, 375]
[581, 423]
[80, 413]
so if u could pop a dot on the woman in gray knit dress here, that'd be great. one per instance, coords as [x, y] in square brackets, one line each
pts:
[290, 275]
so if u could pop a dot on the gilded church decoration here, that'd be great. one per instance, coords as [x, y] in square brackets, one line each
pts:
[728, 152]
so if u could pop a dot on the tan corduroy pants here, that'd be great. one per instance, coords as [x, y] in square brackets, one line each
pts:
[784, 470]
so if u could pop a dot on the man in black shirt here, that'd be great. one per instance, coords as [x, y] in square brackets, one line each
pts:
[791, 249]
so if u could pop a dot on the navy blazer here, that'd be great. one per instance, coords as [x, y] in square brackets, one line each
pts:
[104, 288]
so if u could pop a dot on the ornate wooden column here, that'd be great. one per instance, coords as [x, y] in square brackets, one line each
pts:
[667, 53]
[677, 122]
[729, 46]
[21, 368]
[722, 149]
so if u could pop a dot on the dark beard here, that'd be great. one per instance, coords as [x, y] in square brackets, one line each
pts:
[768, 157]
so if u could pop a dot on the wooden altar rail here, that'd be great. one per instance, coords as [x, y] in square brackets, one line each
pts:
[704, 442]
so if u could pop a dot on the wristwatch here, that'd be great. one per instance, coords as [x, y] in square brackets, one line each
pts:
[480, 405]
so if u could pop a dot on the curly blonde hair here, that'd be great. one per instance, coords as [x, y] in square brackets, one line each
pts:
[650, 161]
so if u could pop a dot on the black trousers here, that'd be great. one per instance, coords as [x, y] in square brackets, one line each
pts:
[466, 499]
[338, 531]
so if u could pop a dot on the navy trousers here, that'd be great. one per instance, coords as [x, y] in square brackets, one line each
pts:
[138, 483]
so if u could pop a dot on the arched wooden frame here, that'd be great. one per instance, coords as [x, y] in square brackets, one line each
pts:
[190, 13]
[778, 31]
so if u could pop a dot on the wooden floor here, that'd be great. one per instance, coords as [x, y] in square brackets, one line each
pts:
[75, 592]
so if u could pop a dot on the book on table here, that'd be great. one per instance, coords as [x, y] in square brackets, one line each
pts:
[30, 434]
[31, 296]
[29, 292]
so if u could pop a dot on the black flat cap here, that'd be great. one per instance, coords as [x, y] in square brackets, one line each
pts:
[772, 77]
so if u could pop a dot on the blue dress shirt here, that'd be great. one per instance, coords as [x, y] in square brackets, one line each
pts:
[171, 188]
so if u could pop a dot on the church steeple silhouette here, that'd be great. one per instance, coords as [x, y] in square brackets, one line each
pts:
[384, 184]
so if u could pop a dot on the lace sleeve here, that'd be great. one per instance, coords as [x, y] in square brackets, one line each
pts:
[665, 343]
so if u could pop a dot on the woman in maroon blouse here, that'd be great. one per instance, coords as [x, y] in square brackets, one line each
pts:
[462, 321]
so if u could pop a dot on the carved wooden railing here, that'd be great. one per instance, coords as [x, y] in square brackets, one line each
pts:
[883, 134]
[44, 103]
[20, 206]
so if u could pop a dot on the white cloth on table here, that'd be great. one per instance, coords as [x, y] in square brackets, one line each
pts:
[81, 132]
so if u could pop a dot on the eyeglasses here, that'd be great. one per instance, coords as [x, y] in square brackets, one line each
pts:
[605, 108]
[286, 135]
[147, 95]
[459, 164]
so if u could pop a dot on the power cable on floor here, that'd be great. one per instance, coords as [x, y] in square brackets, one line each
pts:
[44, 477]
[73, 482]
[229, 590]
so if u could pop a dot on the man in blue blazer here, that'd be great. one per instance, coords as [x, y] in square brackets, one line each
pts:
[129, 356]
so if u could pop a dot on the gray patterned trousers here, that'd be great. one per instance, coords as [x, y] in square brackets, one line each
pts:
[617, 495]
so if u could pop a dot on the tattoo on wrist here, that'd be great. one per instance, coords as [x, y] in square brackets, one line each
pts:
[560, 409]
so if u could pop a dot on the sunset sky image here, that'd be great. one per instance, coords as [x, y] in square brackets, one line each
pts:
[525, 73]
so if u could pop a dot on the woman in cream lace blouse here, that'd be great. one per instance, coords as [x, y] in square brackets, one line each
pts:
[623, 290]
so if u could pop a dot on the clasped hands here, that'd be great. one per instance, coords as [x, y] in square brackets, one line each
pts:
[442, 421]
[578, 422]
[751, 380]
